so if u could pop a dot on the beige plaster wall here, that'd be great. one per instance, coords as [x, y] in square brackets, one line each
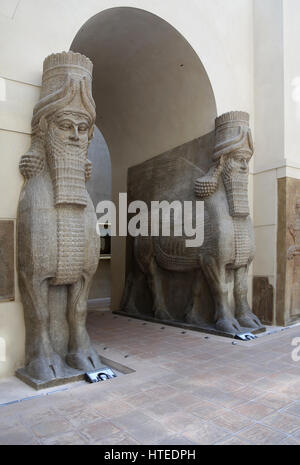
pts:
[291, 15]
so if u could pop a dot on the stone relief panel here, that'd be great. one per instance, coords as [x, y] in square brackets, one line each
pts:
[263, 299]
[288, 252]
[205, 287]
[7, 267]
[58, 247]
[294, 256]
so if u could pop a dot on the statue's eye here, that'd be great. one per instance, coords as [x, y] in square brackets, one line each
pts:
[65, 125]
[82, 127]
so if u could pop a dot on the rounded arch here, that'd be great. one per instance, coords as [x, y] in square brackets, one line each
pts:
[151, 89]
[152, 94]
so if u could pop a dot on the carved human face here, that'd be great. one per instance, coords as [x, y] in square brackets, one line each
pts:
[66, 145]
[239, 162]
[72, 129]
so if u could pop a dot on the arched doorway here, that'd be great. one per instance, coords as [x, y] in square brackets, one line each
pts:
[99, 188]
[152, 94]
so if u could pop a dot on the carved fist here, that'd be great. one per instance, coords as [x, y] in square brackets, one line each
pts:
[292, 252]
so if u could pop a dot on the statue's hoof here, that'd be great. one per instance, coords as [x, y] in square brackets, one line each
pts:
[46, 368]
[250, 321]
[84, 361]
[228, 325]
[162, 315]
[131, 310]
[194, 319]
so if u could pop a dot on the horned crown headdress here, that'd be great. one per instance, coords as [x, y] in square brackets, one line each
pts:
[67, 79]
[66, 82]
[232, 133]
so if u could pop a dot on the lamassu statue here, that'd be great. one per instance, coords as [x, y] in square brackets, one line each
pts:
[228, 249]
[220, 266]
[58, 247]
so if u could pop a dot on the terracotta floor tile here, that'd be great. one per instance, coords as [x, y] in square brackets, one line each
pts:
[9, 422]
[232, 421]
[290, 441]
[292, 390]
[175, 441]
[66, 439]
[17, 436]
[98, 430]
[250, 392]
[218, 396]
[276, 400]
[51, 428]
[207, 410]
[206, 434]
[161, 392]
[158, 410]
[297, 434]
[83, 417]
[282, 421]
[70, 406]
[229, 385]
[262, 435]
[293, 408]
[254, 410]
[150, 432]
[233, 441]
[44, 415]
[112, 408]
[132, 420]
[185, 400]
[120, 439]
[181, 422]
[138, 400]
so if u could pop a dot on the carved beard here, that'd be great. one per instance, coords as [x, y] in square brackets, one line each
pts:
[67, 167]
[236, 186]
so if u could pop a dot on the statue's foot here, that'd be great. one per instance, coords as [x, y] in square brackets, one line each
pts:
[249, 320]
[46, 368]
[131, 310]
[84, 360]
[162, 314]
[194, 318]
[228, 325]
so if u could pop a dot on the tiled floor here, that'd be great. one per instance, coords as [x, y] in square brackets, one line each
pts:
[187, 388]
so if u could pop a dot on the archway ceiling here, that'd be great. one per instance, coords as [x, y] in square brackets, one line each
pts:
[151, 89]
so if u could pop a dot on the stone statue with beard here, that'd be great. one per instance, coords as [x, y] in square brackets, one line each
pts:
[221, 264]
[58, 247]
[228, 248]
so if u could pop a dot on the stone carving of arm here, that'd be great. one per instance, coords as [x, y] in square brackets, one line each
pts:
[293, 251]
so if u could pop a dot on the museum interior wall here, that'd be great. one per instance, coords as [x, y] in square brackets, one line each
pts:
[276, 103]
[148, 103]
